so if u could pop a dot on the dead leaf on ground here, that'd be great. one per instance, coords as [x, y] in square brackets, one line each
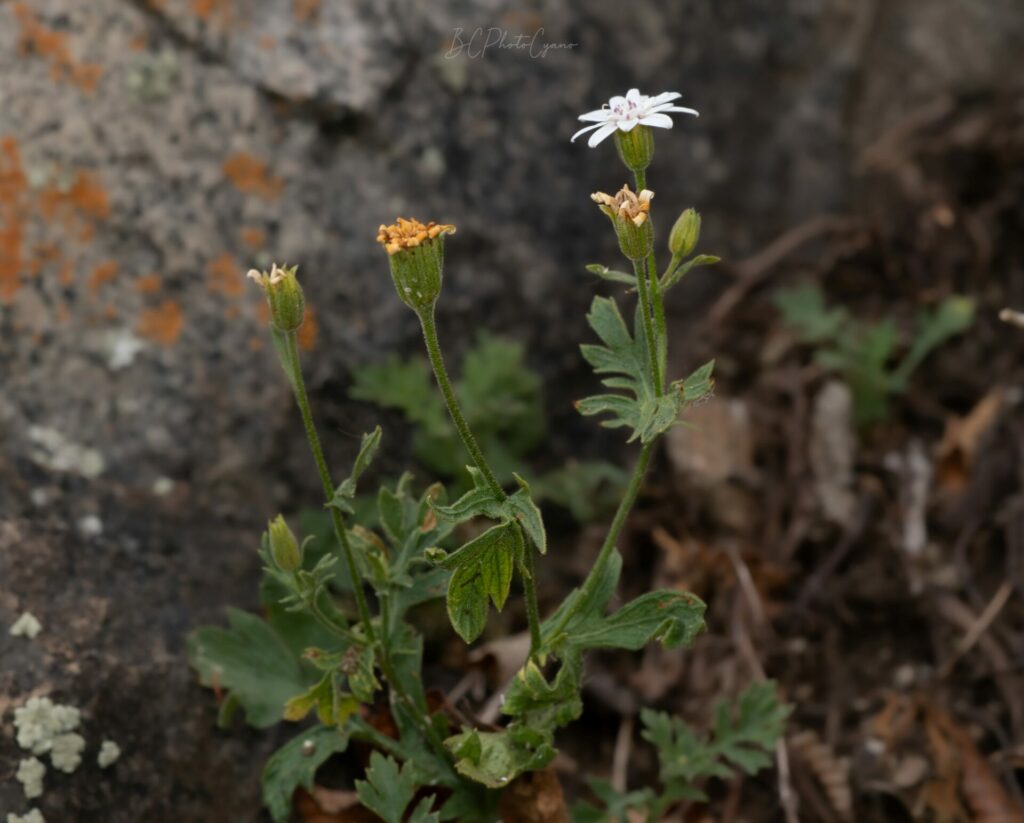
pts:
[535, 797]
[958, 448]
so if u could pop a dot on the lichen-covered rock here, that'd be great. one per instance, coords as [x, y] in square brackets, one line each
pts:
[151, 151]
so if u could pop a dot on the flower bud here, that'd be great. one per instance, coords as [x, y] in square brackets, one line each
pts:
[636, 147]
[284, 295]
[629, 214]
[416, 254]
[284, 548]
[684, 235]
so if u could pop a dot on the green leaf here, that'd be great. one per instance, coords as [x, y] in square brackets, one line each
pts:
[291, 766]
[482, 568]
[672, 617]
[523, 510]
[422, 812]
[803, 309]
[479, 501]
[387, 790]
[646, 411]
[500, 757]
[617, 806]
[346, 490]
[683, 269]
[250, 660]
[699, 384]
[362, 680]
[743, 737]
[588, 489]
[500, 398]
[954, 315]
[611, 275]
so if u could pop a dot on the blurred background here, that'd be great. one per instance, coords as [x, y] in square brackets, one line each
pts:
[853, 519]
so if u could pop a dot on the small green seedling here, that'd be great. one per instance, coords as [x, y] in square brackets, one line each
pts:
[864, 353]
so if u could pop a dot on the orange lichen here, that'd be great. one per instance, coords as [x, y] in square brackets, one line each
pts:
[102, 274]
[162, 324]
[78, 206]
[225, 277]
[54, 47]
[206, 10]
[268, 42]
[249, 175]
[67, 273]
[13, 186]
[309, 330]
[253, 237]
[263, 312]
[305, 9]
[150, 284]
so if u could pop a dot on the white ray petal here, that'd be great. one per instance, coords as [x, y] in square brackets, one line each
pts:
[662, 121]
[595, 116]
[602, 132]
[585, 129]
[664, 97]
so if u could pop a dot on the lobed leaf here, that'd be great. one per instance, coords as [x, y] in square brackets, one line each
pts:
[251, 661]
[481, 569]
[295, 764]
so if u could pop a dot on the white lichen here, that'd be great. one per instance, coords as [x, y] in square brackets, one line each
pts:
[109, 754]
[27, 625]
[90, 526]
[54, 451]
[32, 816]
[66, 752]
[40, 721]
[31, 772]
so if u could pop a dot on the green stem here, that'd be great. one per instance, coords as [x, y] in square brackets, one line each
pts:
[452, 402]
[604, 556]
[661, 327]
[657, 304]
[301, 397]
[444, 382]
[529, 587]
[648, 326]
[384, 656]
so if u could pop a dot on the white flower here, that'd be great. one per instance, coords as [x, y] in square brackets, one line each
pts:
[626, 113]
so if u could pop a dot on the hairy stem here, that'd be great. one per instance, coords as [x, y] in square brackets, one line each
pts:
[661, 328]
[419, 715]
[614, 530]
[649, 335]
[469, 441]
[301, 397]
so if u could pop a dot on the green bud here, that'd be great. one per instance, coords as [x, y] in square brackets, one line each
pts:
[636, 147]
[284, 296]
[685, 233]
[629, 213]
[416, 255]
[284, 548]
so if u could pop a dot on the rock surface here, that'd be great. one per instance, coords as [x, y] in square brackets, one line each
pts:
[152, 150]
